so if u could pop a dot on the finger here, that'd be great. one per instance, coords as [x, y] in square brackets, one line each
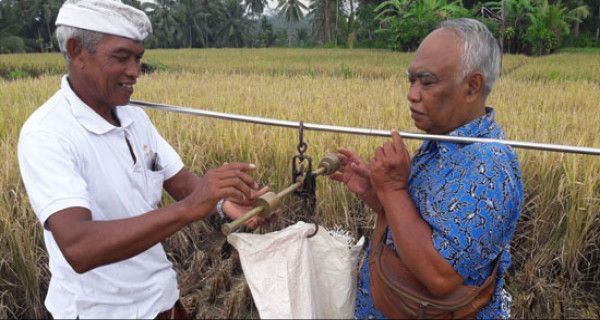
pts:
[270, 219]
[239, 166]
[351, 155]
[379, 154]
[345, 152]
[237, 183]
[248, 180]
[398, 141]
[336, 177]
[254, 222]
[361, 170]
[231, 192]
[388, 149]
[257, 194]
[344, 160]
[243, 202]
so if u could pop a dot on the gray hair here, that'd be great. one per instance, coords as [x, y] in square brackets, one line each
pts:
[88, 39]
[481, 51]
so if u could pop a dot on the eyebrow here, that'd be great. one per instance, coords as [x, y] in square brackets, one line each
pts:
[127, 51]
[421, 74]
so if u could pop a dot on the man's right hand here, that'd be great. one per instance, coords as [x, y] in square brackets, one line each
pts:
[227, 181]
[354, 173]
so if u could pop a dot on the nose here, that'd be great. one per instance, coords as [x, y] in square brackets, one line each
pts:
[133, 68]
[414, 93]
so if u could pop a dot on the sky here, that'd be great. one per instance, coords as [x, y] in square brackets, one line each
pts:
[271, 3]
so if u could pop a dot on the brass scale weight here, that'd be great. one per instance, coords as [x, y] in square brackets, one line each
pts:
[304, 186]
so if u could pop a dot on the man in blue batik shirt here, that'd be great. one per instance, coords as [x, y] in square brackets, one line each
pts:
[452, 210]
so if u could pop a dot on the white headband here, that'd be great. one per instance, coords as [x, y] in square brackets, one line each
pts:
[110, 17]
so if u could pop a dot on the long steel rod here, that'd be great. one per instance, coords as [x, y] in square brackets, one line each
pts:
[363, 131]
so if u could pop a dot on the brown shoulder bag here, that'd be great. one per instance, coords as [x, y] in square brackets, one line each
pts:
[398, 294]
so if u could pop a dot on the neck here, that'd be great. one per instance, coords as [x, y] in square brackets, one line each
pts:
[478, 112]
[475, 111]
[82, 91]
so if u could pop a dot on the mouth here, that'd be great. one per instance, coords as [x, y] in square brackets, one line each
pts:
[127, 86]
[414, 112]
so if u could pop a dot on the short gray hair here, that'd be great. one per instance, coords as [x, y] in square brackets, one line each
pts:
[481, 51]
[88, 39]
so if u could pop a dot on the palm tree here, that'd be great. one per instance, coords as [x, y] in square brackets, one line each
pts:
[516, 21]
[161, 13]
[320, 16]
[548, 26]
[256, 7]
[577, 15]
[323, 12]
[234, 30]
[292, 11]
[191, 16]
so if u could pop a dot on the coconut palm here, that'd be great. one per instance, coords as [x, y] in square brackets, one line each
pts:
[256, 7]
[291, 10]
[165, 26]
[516, 22]
[577, 15]
[548, 26]
[320, 18]
[234, 29]
[192, 17]
[327, 14]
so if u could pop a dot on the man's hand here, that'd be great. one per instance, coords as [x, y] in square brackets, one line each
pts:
[227, 181]
[354, 173]
[235, 208]
[390, 166]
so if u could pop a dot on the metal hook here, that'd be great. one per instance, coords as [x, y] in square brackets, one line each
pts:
[302, 146]
[314, 232]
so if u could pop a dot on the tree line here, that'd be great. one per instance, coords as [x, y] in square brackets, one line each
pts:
[522, 26]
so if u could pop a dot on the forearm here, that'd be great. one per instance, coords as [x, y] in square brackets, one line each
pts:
[90, 244]
[413, 241]
[371, 200]
[181, 185]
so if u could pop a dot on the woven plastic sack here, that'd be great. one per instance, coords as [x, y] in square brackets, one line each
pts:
[292, 276]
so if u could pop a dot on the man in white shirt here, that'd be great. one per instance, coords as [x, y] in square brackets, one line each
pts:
[94, 169]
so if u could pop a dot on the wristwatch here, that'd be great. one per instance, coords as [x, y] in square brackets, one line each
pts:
[220, 211]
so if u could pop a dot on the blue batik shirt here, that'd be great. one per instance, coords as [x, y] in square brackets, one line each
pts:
[471, 196]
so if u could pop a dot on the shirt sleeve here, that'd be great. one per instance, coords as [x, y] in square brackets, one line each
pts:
[480, 204]
[51, 174]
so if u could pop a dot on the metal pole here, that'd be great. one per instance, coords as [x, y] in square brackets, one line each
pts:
[364, 131]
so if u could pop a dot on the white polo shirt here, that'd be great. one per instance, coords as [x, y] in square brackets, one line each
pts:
[69, 156]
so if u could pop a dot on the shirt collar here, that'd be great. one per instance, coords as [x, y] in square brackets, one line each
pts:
[87, 117]
[482, 127]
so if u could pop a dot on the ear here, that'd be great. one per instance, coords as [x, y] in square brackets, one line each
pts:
[475, 86]
[75, 52]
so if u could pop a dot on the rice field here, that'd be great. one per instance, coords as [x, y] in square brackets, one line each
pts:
[553, 99]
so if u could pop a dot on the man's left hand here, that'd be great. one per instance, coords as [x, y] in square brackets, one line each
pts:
[390, 166]
[235, 208]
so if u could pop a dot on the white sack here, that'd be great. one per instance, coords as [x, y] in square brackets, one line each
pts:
[292, 276]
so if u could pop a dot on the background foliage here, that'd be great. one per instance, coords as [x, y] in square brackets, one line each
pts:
[523, 26]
